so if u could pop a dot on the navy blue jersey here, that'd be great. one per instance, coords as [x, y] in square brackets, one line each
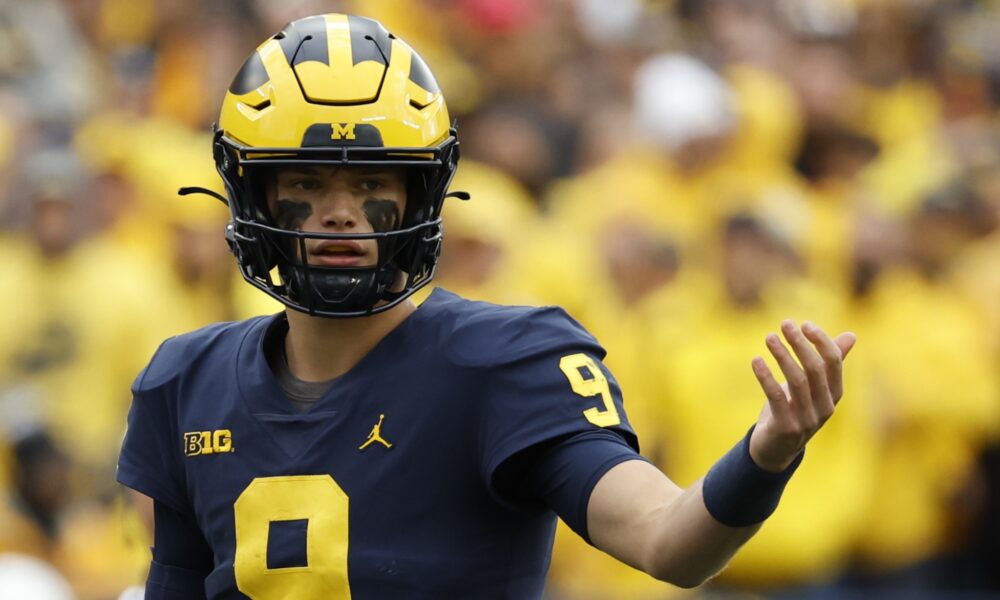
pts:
[386, 486]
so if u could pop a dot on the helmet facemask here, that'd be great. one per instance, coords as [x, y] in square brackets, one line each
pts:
[273, 256]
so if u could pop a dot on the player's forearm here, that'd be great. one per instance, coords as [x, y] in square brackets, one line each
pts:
[683, 536]
[687, 546]
[643, 519]
[707, 523]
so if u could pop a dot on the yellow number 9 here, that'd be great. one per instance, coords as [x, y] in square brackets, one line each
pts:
[597, 385]
[323, 505]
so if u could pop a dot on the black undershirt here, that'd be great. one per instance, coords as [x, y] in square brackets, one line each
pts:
[302, 394]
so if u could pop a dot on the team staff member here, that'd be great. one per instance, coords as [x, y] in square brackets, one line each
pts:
[356, 446]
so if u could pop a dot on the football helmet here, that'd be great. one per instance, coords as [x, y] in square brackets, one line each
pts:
[335, 90]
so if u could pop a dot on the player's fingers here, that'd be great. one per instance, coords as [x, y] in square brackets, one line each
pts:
[820, 402]
[798, 383]
[776, 397]
[819, 405]
[832, 359]
[845, 342]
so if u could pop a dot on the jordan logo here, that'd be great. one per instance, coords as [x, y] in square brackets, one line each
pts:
[376, 435]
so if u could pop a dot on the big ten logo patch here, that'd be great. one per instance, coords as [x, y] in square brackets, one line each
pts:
[219, 441]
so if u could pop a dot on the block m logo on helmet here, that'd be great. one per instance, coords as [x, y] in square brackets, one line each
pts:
[342, 131]
[342, 134]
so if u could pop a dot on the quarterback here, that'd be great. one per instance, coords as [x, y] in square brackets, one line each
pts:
[357, 446]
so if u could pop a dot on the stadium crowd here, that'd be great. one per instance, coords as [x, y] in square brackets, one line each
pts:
[680, 175]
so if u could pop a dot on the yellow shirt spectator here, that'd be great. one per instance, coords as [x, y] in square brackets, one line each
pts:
[937, 401]
[77, 330]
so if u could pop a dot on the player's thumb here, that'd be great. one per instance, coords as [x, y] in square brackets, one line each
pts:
[845, 342]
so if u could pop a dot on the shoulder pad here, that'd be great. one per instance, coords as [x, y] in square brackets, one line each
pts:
[483, 335]
[176, 355]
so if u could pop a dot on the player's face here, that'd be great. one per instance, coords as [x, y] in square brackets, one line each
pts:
[328, 199]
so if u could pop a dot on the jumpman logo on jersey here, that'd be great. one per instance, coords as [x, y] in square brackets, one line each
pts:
[376, 435]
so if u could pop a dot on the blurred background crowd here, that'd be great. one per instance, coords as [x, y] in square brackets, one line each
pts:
[680, 175]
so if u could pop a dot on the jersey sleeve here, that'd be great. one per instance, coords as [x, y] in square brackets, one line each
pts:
[562, 475]
[149, 461]
[548, 383]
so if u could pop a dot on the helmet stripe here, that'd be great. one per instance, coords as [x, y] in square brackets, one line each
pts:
[297, 48]
[252, 75]
[363, 48]
[421, 75]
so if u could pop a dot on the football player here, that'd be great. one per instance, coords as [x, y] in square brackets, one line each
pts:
[357, 446]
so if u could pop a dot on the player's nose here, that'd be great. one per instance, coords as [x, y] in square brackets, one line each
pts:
[340, 210]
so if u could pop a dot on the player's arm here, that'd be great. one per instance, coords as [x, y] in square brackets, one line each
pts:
[182, 559]
[685, 536]
[151, 464]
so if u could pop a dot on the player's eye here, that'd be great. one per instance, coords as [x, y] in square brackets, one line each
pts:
[371, 185]
[306, 184]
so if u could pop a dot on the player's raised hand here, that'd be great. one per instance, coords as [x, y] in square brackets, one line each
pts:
[796, 409]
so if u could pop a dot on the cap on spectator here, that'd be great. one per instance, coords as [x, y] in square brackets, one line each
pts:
[678, 99]
[28, 578]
